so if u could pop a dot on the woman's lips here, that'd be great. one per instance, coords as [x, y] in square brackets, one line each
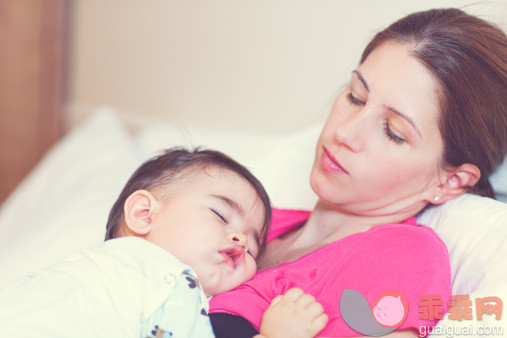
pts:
[330, 164]
[234, 255]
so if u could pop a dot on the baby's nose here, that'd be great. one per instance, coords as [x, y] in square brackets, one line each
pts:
[239, 238]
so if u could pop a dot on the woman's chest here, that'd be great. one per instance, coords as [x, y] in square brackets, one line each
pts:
[288, 248]
[282, 250]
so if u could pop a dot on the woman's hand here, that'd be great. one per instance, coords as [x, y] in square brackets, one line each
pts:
[295, 314]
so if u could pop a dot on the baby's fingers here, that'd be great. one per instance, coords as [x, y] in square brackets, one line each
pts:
[293, 294]
[276, 300]
[320, 323]
[305, 300]
[315, 309]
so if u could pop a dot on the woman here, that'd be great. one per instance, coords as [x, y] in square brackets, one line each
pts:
[422, 121]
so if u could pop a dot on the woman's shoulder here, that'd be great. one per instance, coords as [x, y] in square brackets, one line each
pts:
[401, 247]
[406, 235]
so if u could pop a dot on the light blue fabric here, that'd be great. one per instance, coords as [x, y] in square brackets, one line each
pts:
[183, 313]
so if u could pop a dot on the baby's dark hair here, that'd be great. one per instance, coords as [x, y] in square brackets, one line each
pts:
[162, 170]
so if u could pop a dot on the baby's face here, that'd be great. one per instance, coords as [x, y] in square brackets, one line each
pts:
[212, 221]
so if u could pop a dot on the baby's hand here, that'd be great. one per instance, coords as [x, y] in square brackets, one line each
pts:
[295, 314]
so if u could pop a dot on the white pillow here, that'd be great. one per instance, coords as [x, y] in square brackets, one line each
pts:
[64, 202]
[499, 182]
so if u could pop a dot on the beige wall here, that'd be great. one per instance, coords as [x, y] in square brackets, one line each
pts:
[272, 65]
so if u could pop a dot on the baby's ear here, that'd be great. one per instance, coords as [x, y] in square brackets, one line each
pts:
[138, 210]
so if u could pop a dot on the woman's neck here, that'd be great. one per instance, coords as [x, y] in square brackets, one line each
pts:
[328, 224]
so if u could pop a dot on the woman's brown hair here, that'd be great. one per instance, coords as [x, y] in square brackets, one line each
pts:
[468, 57]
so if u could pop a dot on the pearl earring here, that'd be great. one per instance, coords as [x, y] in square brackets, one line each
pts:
[436, 198]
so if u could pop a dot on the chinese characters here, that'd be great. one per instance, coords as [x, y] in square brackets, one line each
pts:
[459, 307]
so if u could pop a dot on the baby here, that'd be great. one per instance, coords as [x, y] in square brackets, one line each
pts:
[188, 225]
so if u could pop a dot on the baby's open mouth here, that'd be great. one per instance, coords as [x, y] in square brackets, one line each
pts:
[234, 255]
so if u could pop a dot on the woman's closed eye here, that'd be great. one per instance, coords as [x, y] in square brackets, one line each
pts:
[354, 100]
[219, 215]
[390, 135]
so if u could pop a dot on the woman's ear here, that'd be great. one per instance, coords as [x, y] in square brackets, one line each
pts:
[139, 209]
[456, 183]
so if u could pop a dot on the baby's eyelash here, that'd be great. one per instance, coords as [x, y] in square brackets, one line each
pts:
[219, 215]
[355, 101]
[390, 135]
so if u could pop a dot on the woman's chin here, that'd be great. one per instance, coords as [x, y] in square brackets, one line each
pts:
[315, 182]
[320, 184]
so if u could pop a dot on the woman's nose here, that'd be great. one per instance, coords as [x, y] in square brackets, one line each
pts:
[352, 133]
[238, 238]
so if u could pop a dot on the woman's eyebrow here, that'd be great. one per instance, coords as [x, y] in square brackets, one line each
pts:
[361, 78]
[235, 206]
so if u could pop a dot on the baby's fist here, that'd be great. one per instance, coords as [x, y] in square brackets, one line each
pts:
[295, 314]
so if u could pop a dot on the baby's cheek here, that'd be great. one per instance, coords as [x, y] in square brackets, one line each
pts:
[251, 267]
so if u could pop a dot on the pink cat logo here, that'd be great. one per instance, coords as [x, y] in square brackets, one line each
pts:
[386, 314]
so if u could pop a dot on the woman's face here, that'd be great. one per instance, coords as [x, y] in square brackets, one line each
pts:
[379, 151]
